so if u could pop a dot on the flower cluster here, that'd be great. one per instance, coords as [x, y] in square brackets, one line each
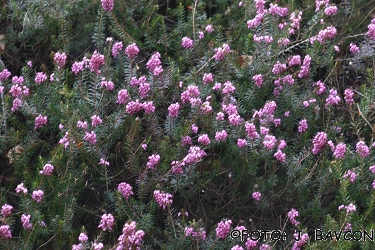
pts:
[195, 154]
[362, 149]
[223, 228]
[132, 50]
[108, 5]
[37, 195]
[6, 210]
[47, 169]
[187, 42]
[163, 199]
[349, 208]
[319, 141]
[221, 52]
[125, 189]
[153, 160]
[107, 222]
[130, 237]
[350, 175]
[154, 64]
[40, 121]
[292, 214]
[60, 59]
[199, 234]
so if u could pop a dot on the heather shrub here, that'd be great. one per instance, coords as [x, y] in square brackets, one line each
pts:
[175, 126]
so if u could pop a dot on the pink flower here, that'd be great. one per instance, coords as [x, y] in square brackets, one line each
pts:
[280, 156]
[282, 145]
[349, 208]
[6, 210]
[40, 77]
[122, 96]
[278, 68]
[60, 59]
[303, 126]
[195, 154]
[305, 68]
[103, 162]
[256, 196]
[98, 246]
[107, 222]
[330, 10]
[228, 88]
[349, 94]
[320, 87]
[153, 160]
[220, 116]
[96, 61]
[340, 151]
[319, 141]
[5, 74]
[107, 84]
[21, 188]
[107, 5]
[130, 238]
[95, 121]
[223, 229]
[116, 48]
[176, 167]
[258, 80]
[82, 237]
[173, 109]
[132, 50]
[294, 60]
[187, 42]
[209, 28]
[241, 143]
[207, 78]
[292, 214]
[370, 32]
[40, 121]
[200, 35]
[163, 199]
[194, 128]
[362, 149]
[251, 131]
[144, 88]
[251, 244]
[37, 195]
[269, 142]
[221, 136]
[237, 247]
[125, 189]
[47, 169]
[25, 220]
[81, 124]
[149, 107]
[354, 48]
[5, 231]
[154, 64]
[350, 175]
[204, 139]
[77, 67]
[186, 140]
[221, 52]
[90, 137]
